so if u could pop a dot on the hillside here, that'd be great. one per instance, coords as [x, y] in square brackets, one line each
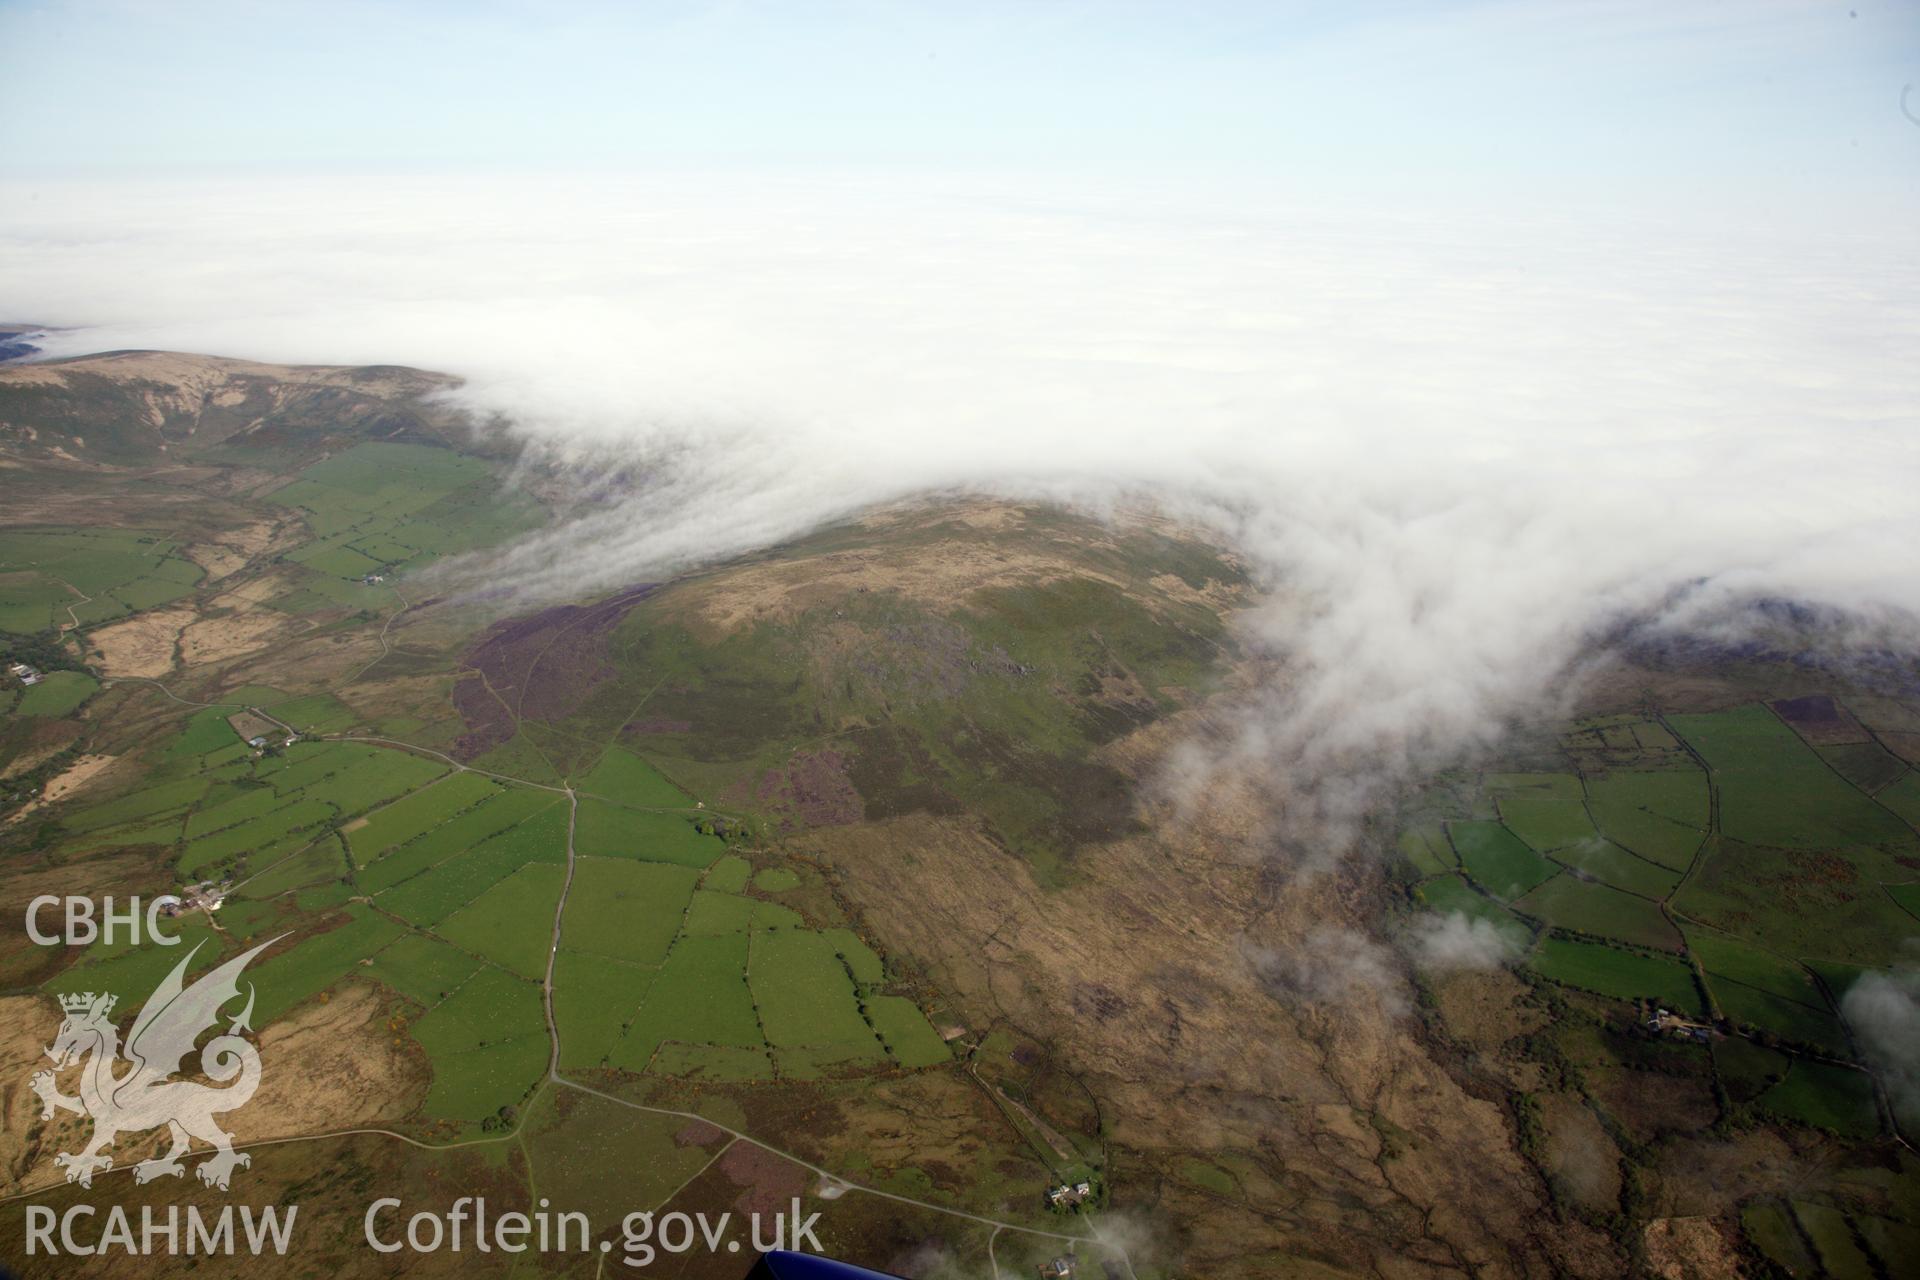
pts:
[141, 407]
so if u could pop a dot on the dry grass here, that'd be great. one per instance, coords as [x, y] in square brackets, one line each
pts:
[31, 1023]
[65, 783]
[143, 646]
[1691, 1249]
[1138, 978]
[935, 575]
[333, 1064]
[214, 640]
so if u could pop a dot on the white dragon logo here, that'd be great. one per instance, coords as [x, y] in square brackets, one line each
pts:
[145, 1097]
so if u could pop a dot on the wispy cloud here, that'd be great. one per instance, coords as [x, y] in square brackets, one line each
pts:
[1455, 941]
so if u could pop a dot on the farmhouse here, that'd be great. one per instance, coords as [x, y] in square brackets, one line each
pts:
[253, 729]
[1667, 1023]
[1060, 1268]
[25, 673]
[207, 895]
[1069, 1195]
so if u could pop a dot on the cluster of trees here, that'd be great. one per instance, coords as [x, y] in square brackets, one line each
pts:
[45, 650]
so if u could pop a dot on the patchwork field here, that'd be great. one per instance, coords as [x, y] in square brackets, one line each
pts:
[1743, 867]
[67, 575]
[673, 961]
[385, 508]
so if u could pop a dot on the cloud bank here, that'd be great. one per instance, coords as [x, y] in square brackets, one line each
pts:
[1454, 443]
[1884, 1010]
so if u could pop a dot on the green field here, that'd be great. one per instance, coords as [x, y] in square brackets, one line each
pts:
[437, 893]
[906, 1032]
[489, 1046]
[58, 694]
[1867, 765]
[1449, 893]
[777, 880]
[1546, 823]
[1833, 1240]
[1624, 975]
[1775, 791]
[490, 1007]
[1585, 907]
[861, 961]
[316, 713]
[123, 570]
[714, 913]
[1427, 849]
[207, 731]
[1767, 991]
[30, 603]
[324, 860]
[699, 997]
[351, 777]
[382, 506]
[1746, 1069]
[455, 837]
[423, 968]
[134, 971]
[243, 806]
[1499, 861]
[1661, 815]
[511, 923]
[415, 815]
[627, 910]
[1773, 1231]
[1679, 795]
[1799, 902]
[1903, 796]
[593, 998]
[1826, 1097]
[728, 875]
[1537, 786]
[147, 802]
[611, 831]
[1796, 1023]
[804, 993]
[1755, 967]
[279, 831]
[1610, 864]
[626, 779]
[474, 1084]
[318, 960]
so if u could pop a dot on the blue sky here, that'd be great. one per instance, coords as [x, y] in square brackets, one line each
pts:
[1756, 95]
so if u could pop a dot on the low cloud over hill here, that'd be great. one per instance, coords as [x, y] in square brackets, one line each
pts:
[1456, 448]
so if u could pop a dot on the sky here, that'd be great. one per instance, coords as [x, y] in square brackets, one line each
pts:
[1478, 329]
[1587, 96]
